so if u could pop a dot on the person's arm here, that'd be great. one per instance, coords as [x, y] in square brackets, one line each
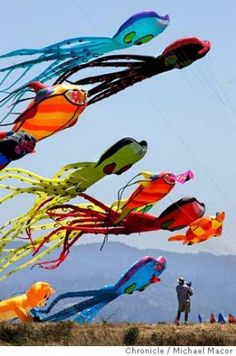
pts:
[190, 291]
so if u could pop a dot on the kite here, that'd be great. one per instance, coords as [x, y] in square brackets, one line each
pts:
[52, 110]
[151, 189]
[94, 218]
[199, 318]
[66, 184]
[231, 319]
[20, 305]
[137, 278]
[221, 319]
[179, 54]
[202, 229]
[212, 318]
[15, 145]
[65, 55]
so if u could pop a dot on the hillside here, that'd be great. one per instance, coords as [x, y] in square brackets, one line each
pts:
[65, 334]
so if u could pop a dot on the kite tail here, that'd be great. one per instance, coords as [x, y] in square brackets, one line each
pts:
[177, 237]
[24, 172]
[33, 260]
[87, 293]
[21, 178]
[89, 307]
[88, 315]
[75, 167]
[54, 47]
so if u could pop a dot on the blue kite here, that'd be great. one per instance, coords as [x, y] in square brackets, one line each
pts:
[137, 278]
[67, 54]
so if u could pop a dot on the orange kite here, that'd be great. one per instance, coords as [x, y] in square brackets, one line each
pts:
[53, 109]
[20, 305]
[202, 229]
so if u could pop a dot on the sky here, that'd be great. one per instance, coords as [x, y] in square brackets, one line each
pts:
[187, 116]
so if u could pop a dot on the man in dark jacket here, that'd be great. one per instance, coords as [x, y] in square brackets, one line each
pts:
[184, 292]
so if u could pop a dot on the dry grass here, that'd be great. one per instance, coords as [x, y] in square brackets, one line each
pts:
[68, 333]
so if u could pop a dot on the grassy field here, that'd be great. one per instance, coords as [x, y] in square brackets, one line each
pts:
[68, 333]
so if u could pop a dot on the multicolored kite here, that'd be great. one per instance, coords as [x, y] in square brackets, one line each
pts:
[54, 109]
[202, 229]
[15, 145]
[151, 189]
[137, 278]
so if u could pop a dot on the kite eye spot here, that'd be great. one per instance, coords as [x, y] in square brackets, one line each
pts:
[143, 40]
[76, 97]
[171, 60]
[108, 169]
[129, 37]
[166, 224]
[168, 178]
[123, 169]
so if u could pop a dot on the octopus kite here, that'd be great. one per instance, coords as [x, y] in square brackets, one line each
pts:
[15, 145]
[72, 100]
[141, 275]
[202, 229]
[20, 305]
[65, 55]
[179, 54]
[72, 222]
[54, 109]
[66, 184]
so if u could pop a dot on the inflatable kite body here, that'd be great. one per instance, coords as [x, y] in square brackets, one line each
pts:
[212, 318]
[137, 278]
[15, 145]
[53, 109]
[231, 319]
[221, 319]
[135, 68]
[20, 306]
[151, 189]
[65, 55]
[202, 229]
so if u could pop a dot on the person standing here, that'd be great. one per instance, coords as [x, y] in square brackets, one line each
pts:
[184, 292]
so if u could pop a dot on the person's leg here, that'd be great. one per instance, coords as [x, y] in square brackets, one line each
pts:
[187, 311]
[177, 319]
[178, 315]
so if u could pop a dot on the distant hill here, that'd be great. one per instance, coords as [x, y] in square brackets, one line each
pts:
[87, 267]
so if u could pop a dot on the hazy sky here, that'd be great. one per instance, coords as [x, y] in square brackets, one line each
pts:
[187, 116]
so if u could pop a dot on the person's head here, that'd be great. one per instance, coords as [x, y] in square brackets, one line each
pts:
[189, 284]
[180, 281]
